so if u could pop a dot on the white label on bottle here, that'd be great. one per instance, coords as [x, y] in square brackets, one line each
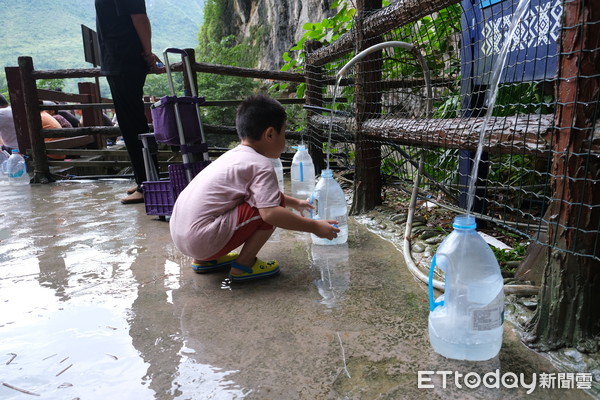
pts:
[490, 316]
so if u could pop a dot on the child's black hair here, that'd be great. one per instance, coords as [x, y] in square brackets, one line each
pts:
[257, 113]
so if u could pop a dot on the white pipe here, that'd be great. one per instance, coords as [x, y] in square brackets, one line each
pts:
[369, 50]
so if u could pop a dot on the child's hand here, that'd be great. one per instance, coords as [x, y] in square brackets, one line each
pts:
[302, 205]
[326, 229]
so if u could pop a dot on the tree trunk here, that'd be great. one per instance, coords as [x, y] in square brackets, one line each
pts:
[568, 313]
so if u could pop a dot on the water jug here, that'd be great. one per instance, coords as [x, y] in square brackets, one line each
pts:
[278, 167]
[466, 322]
[302, 174]
[330, 202]
[16, 170]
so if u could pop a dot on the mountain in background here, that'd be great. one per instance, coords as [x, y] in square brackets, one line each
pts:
[50, 30]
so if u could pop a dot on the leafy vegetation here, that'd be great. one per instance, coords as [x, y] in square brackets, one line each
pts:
[510, 258]
[324, 32]
[217, 46]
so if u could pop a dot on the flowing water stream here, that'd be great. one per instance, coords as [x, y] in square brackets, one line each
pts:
[496, 73]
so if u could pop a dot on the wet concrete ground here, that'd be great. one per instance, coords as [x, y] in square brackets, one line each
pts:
[96, 303]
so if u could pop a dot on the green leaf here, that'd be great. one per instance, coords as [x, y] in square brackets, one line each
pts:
[300, 90]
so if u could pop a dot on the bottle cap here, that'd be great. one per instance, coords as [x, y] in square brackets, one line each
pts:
[327, 173]
[300, 147]
[15, 151]
[464, 221]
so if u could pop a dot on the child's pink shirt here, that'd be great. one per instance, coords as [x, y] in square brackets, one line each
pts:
[204, 217]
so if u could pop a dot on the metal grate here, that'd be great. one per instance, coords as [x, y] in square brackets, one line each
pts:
[387, 113]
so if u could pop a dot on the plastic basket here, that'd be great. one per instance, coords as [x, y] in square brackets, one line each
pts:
[178, 176]
[165, 121]
[158, 197]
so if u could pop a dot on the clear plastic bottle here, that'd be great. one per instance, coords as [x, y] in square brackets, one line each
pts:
[302, 174]
[466, 322]
[278, 166]
[16, 169]
[330, 204]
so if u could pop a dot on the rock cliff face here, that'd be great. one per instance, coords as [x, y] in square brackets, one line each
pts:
[281, 22]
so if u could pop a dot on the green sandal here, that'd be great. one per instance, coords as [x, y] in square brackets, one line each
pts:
[213, 265]
[259, 270]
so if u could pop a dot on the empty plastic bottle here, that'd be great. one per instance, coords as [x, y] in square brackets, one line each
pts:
[16, 169]
[302, 174]
[330, 204]
[466, 322]
[278, 166]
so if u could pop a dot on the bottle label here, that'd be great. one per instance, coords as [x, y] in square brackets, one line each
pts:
[490, 316]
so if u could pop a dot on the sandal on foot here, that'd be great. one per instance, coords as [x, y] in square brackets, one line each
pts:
[212, 265]
[260, 269]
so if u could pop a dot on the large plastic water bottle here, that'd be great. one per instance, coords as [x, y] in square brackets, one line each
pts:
[330, 204]
[466, 322]
[16, 169]
[278, 167]
[302, 174]
[3, 158]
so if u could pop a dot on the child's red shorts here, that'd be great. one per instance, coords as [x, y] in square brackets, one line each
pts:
[248, 222]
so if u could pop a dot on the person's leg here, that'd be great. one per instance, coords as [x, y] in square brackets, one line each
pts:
[251, 248]
[249, 223]
[127, 93]
[251, 232]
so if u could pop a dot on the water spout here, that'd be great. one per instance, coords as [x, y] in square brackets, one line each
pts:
[497, 69]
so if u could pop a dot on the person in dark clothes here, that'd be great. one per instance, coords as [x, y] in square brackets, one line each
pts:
[125, 37]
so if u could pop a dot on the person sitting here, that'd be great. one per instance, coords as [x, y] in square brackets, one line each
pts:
[49, 122]
[8, 133]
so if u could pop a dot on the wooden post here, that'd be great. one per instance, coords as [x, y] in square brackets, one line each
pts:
[314, 97]
[367, 178]
[568, 312]
[41, 169]
[17, 104]
[92, 116]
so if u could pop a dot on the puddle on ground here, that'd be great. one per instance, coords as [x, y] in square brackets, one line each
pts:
[71, 321]
[96, 303]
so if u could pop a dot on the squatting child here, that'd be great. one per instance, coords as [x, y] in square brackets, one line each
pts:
[236, 200]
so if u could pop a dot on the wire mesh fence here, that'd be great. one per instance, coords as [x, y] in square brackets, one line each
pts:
[437, 98]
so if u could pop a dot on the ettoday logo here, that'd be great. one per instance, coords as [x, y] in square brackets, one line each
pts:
[496, 380]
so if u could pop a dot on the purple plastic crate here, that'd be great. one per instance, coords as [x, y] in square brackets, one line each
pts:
[165, 122]
[179, 178]
[158, 197]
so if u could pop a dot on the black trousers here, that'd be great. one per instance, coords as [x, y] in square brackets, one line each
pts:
[127, 91]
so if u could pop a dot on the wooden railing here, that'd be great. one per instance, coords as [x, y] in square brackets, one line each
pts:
[25, 100]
